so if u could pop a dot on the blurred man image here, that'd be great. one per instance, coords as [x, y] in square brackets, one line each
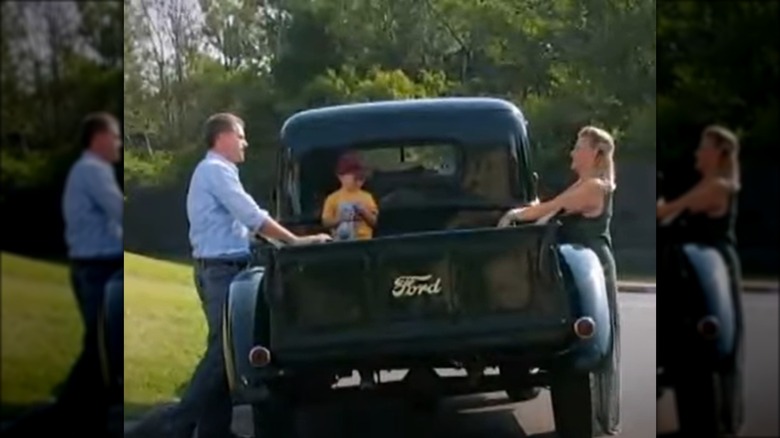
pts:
[92, 207]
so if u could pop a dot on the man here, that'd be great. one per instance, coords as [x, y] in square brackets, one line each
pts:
[223, 217]
[92, 209]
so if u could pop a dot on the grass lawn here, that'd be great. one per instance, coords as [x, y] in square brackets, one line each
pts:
[41, 331]
[165, 331]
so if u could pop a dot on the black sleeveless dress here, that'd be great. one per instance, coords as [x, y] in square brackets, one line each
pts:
[720, 233]
[593, 233]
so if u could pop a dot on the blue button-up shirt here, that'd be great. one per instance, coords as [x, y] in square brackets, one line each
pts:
[92, 206]
[222, 215]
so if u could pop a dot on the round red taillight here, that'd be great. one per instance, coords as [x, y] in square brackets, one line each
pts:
[709, 327]
[585, 327]
[259, 356]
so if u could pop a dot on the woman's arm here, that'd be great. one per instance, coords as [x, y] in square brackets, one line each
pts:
[706, 196]
[579, 198]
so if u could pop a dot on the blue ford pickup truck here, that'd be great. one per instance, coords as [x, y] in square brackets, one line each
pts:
[438, 285]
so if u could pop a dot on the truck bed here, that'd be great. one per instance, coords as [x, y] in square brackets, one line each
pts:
[442, 292]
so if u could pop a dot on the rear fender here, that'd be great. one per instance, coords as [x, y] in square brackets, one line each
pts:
[240, 321]
[712, 274]
[588, 295]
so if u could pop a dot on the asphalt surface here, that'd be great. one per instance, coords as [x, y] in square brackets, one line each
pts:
[494, 416]
[761, 380]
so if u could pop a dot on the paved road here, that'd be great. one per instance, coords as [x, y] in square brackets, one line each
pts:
[492, 414]
[761, 385]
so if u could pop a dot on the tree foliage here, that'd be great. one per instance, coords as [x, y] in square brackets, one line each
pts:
[565, 63]
[720, 66]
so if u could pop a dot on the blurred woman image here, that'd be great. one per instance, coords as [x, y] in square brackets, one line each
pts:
[710, 210]
[587, 211]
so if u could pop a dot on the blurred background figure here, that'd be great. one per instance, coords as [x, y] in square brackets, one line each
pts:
[718, 187]
[703, 363]
[60, 61]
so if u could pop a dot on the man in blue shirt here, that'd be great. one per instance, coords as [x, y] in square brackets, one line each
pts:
[223, 217]
[92, 209]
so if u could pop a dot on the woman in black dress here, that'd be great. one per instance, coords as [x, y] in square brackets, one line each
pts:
[587, 204]
[710, 208]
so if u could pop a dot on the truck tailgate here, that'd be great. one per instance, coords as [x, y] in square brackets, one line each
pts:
[486, 286]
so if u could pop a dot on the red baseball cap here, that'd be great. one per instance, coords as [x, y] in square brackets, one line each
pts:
[350, 163]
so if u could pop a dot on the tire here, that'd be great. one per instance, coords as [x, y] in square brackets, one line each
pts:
[516, 383]
[709, 404]
[525, 394]
[698, 405]
[733, 402]
[572, 405]
[275, 418]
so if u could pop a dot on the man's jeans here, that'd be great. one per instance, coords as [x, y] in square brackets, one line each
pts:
[207, 401]
[85, 391]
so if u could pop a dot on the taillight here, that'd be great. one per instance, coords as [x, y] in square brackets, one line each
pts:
[585, 327]
[709, 327]
[259, 356]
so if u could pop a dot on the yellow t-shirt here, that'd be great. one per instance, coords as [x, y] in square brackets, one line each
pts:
[331, 210]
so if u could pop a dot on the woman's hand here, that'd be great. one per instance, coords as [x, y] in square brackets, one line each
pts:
[660, 210]
[510, 216]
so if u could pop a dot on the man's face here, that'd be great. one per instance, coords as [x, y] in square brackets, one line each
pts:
[233, 144]
[108, 143]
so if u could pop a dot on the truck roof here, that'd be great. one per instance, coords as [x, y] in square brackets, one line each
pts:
[466, 119]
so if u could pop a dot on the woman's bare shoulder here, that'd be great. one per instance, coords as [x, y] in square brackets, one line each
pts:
[595, 185]
[718, 185]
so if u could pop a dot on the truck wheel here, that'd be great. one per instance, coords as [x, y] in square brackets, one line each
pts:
[733, 401]
[274, 418]
[699, 404]
[516, 383]
[518, 395]
[572, 405]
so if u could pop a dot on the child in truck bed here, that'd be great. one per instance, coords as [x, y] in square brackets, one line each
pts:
[351, 213]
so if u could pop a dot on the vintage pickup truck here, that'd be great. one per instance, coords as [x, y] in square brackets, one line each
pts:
[439, 285]
[699, 331]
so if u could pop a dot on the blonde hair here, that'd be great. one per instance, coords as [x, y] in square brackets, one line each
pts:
[728, 143]
[604, 144]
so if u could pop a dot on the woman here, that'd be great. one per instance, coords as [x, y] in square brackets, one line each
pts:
[713, 197]
[710, 207]
[587, 205]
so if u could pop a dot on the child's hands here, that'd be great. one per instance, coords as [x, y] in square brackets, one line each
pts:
[361, 210]
[365, 213]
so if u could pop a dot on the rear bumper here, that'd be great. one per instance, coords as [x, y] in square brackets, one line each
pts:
[540, 344]
[550, 349]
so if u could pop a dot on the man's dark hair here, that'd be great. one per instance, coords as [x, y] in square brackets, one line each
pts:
[94, 124]
[218, 124]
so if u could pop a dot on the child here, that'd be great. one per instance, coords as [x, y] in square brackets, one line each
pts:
[351, 213]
